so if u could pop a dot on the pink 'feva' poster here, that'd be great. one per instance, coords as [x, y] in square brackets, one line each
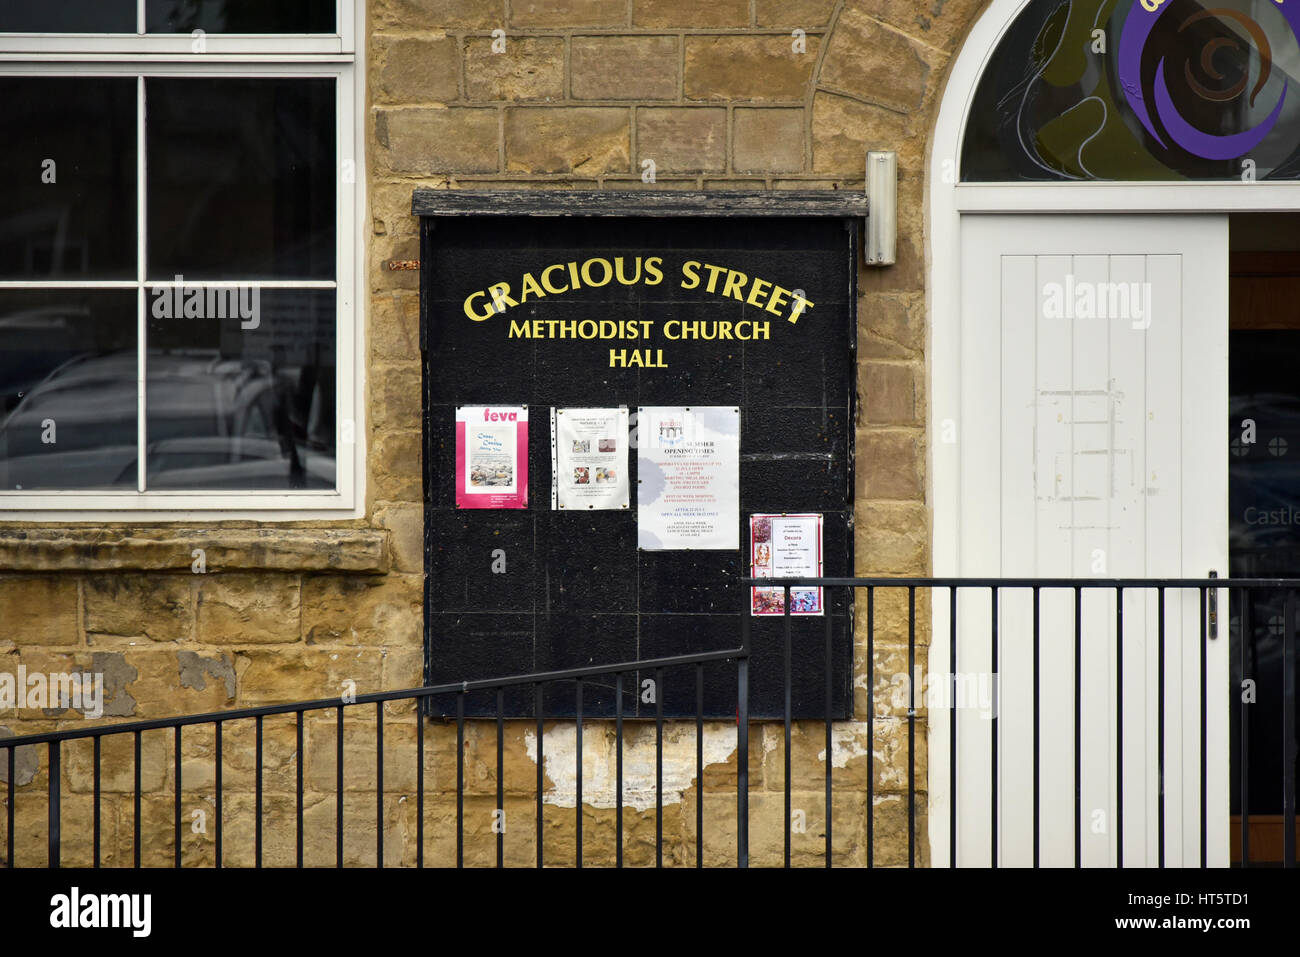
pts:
[492, 456]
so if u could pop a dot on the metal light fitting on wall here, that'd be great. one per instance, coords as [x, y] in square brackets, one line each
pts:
[882, 206]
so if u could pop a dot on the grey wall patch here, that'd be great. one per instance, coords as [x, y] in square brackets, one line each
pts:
[117, 675]
[194, 667]
[26, 762]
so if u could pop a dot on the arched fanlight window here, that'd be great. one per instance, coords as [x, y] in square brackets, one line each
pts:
[1140, 90]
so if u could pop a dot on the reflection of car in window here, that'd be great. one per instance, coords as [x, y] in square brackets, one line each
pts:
[212, 423]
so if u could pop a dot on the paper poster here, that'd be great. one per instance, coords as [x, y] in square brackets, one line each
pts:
[492, 456]
[589, 458]
[688, 481]
[785, 546]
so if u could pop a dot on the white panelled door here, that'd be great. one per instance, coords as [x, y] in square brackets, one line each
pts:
[1090, 443]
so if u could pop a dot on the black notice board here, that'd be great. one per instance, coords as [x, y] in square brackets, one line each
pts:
[576, 590]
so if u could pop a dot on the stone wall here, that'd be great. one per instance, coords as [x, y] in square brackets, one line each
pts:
[524, 94]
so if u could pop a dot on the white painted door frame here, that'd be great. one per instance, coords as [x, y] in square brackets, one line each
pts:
[948, 200]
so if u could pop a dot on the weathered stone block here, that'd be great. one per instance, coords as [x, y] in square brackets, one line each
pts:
[748, 68]
[287, 674]
[585, 140]
[690, 13]
[568, 13]
[889, 465]
[768, 141]
[409, 70]
[888, 393]
[646, 68]
[354, 610]
[891, 538]
[412, 15]
[429, 142]
[804, 14]
[247, 609]
[395, 326]
[875, 63]
[395, 466]
[530, 68]
[38, 610]
[682, 139]
[152, 607]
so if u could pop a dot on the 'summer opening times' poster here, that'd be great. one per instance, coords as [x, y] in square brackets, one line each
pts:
[785, 546]
[589, 458]
[688, 473]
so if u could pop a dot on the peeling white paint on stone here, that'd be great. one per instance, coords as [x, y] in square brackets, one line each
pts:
[599, 767]
[848, 741]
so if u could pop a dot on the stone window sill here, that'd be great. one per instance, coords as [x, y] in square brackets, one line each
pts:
[357, 550]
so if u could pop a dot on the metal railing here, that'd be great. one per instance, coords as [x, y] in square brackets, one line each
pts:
[995, 622]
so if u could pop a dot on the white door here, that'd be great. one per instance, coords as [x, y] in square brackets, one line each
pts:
[1090, 433]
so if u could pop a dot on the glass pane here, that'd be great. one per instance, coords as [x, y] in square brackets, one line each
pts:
[67, 16]
[67, 389]
[240, 16]
[1099, 90]
[240, 388]
[68, 178]
[241, 178]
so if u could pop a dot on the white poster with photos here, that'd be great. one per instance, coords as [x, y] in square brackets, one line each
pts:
[589, 459]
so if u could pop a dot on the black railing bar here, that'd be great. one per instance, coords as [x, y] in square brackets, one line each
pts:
[460, 780]
[96, 824]
[828, 667]
[577, 701]
[699, 760]
[176, 757]
[54, 833]
[217, 769]
[1160, 727]
[1119, 727]
[1247, 635]
[1037, 823]
[618, 771]
[419, 789]
[1288, 734]
[1078, 726]
[338, 789]
[540, 710]
[323, 704]
[379, 784]
[871, 726]
[257, 800]
[298, 728]
[952, 728]
[501, 779]
[659, 767]
[1204, 730]
[786, 666]
[135, 832]
[993, 741]
[9, 812]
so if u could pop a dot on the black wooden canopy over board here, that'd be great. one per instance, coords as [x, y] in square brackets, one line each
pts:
[576, 590]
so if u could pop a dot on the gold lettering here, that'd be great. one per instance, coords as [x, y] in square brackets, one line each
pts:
[546, 279]
[500, 293]
[476, 316]
[713, 275]
[735, 282]
[529, 287]
[652, 268]
[586, 272]
[691, 270]
[756, 292]
[780, 295]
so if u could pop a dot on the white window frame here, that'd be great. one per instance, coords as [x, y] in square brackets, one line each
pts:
[335, 57]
